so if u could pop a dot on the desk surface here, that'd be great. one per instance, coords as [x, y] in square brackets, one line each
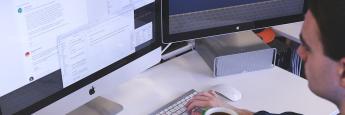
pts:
[274, 90]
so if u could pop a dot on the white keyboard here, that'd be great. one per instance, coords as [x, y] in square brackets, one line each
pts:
[177, 106]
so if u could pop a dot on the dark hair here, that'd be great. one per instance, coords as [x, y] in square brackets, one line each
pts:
[330, 16]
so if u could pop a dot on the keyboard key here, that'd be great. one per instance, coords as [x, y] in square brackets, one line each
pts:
[179, 112]
[177, 106]
[166, 110]
[183, 109]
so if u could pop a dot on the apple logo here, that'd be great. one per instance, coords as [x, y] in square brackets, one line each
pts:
[92, 91]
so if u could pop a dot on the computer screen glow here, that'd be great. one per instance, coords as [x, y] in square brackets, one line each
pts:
[48, 45]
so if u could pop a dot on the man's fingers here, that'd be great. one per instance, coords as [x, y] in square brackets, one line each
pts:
[207, 94]
[196, 103]
[204, 99]
[195, 113]
[201, 98]
[212, 92]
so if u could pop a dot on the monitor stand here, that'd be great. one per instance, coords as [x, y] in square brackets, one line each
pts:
[98, 106]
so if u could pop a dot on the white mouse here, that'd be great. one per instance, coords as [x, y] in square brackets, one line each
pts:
[227, 92]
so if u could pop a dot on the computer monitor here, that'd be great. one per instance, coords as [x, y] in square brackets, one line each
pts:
[60, 54]
[189, 19]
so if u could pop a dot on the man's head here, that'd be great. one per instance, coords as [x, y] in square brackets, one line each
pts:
[323, 48]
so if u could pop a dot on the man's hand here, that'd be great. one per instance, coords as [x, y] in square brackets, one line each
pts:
[205, 100]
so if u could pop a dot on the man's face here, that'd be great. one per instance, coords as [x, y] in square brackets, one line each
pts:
[320, 70]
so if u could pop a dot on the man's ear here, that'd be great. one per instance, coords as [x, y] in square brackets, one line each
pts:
[341, 71]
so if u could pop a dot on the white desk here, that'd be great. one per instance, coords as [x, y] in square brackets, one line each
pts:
[274, 90]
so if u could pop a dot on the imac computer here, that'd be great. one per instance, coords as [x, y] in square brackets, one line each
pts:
[58, 55]
[189, 19]
[183, 20]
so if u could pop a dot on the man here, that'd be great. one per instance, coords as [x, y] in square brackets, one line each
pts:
[323, 51]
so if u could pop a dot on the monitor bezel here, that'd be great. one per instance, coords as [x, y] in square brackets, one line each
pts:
[179, 37]
[101, 73]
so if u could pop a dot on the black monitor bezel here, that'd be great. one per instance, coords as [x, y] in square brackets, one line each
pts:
[179, 37]
[101, 73]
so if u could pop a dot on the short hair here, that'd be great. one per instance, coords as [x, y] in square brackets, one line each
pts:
[330, 17]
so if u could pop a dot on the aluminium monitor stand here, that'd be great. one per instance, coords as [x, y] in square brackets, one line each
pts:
[98, 106]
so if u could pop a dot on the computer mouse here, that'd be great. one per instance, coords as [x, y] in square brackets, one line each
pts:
[228, 92]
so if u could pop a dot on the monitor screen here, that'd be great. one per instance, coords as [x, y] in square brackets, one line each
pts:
[189, 19]
[51, 48]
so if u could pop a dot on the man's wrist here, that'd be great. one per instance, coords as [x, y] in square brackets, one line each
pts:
[244, 112]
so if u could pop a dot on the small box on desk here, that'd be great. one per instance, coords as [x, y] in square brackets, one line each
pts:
[235, 53]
